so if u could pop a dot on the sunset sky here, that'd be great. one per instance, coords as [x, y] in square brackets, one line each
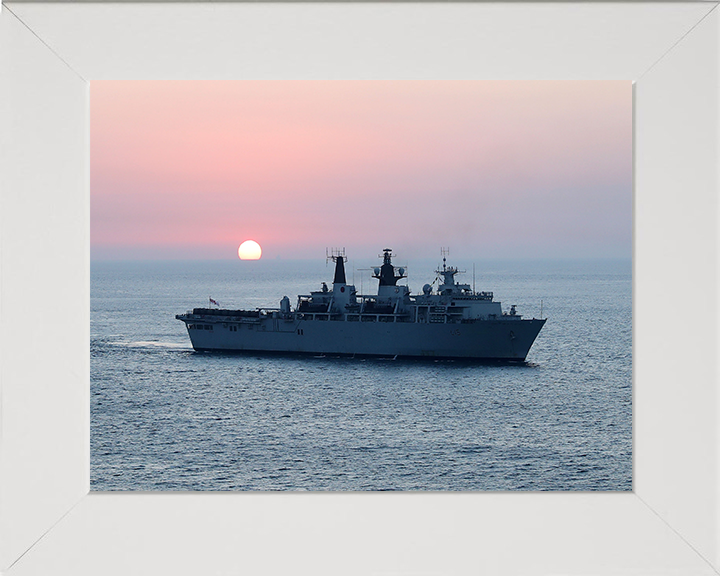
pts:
[190, 169]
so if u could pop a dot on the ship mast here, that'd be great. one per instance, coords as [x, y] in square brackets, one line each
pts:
[337, 255]
[386, 273]
[447, 272]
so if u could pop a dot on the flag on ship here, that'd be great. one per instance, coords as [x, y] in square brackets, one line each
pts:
[214, 302]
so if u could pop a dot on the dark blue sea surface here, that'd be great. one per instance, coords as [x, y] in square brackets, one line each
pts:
[164, 417]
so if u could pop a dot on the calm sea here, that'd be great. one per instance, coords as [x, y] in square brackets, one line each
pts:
[164, 417]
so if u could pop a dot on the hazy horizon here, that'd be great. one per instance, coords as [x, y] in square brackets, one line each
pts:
[493, 169]
[399, 258]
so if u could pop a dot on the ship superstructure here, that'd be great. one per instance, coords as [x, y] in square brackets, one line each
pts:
[451, 321]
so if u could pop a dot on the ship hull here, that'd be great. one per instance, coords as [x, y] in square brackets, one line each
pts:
[489, 340]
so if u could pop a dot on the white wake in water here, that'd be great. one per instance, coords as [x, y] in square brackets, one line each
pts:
[154, 344]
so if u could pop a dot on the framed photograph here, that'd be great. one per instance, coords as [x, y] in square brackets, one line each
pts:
[221, 363]
[50, 520]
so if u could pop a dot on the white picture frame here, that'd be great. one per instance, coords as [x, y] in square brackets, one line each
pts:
[51, 523]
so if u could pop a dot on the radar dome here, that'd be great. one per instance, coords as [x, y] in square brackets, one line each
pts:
[402, 271]
[377, 271]
[427, 289]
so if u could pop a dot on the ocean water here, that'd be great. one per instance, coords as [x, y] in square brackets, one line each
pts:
[164, 417]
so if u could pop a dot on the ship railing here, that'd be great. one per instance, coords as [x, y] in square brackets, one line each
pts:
[222, 318]
[474, 296]
[379, 317]
[322, 316]
[356, 316]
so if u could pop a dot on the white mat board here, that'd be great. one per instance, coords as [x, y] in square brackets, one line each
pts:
[48, 53]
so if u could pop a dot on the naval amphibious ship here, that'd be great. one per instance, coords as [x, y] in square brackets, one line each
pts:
[451, 321]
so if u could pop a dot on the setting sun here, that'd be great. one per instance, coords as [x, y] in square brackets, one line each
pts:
[249, 250]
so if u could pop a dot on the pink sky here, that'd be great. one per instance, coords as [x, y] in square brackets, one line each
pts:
[184, 169]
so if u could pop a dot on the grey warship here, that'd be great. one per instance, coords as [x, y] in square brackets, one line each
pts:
[450, 322]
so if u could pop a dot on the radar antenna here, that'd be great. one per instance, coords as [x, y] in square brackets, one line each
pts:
[387, 273]
[334, 254]
[337, 255]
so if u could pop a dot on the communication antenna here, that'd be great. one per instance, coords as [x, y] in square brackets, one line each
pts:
[445, 252]
[473, 277]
